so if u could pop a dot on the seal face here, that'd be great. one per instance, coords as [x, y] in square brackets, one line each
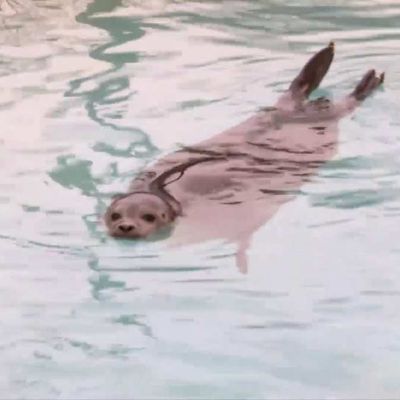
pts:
[137, 215]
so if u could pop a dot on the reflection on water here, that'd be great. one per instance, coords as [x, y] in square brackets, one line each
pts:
[92, 91]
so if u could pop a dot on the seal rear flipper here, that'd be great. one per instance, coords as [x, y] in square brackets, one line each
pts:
[312, 73]
[367, 85]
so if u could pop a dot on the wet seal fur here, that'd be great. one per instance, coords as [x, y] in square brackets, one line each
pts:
[228, 186]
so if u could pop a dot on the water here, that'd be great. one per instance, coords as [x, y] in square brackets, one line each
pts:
[94, 91]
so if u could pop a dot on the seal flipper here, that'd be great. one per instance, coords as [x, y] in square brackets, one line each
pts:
[241, 254]
[312, 73]
[367, 85]
[157, 186]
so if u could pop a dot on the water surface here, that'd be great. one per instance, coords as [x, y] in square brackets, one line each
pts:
[93, 91]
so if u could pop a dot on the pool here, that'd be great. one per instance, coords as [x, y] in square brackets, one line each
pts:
[91, 93]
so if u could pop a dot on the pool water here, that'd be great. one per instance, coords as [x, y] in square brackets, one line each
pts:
[91, 93]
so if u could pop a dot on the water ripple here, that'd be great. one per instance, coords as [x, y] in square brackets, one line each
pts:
[95, 90]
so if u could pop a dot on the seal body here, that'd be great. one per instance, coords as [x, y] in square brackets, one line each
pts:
[228, 186]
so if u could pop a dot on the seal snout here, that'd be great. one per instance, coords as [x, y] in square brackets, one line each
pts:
[126, 228]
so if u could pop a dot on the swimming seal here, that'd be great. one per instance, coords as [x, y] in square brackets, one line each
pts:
[229, 185]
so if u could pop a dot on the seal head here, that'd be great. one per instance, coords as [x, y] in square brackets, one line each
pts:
[138, 215]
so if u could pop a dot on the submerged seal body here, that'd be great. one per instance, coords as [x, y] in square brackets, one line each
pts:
[229, 185]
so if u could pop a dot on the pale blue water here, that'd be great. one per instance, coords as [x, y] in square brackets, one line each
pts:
[93, 91]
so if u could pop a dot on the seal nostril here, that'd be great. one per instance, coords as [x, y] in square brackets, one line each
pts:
[126, 228]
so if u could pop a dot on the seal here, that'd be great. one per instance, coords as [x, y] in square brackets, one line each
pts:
[228, 186]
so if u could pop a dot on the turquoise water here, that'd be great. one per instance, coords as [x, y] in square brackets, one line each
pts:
[91, 92]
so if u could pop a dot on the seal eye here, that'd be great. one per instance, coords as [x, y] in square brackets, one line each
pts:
[149, 217]
[115, 216]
